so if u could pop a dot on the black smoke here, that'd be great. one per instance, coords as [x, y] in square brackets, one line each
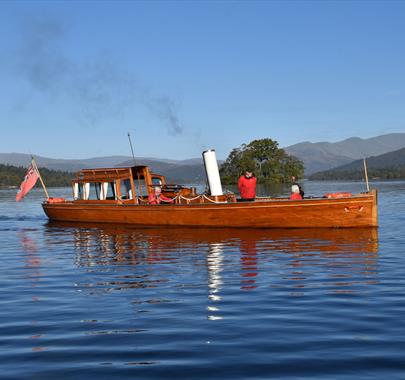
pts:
[97, 89]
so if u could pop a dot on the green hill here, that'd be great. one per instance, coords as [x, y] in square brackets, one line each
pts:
[385, 166]
[324, 156]
[13, 176]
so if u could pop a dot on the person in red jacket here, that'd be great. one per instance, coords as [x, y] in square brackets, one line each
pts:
[157, 197]
[295, 192]
[247, 186]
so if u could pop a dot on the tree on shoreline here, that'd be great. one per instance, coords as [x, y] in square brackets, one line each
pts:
[269, 163]
[12, 176]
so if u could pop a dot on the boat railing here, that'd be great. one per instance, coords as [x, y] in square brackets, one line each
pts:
[200, 198]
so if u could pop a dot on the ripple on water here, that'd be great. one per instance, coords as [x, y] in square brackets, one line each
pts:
[112, 302]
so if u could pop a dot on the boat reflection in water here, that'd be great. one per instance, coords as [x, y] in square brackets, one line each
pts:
[291, 259]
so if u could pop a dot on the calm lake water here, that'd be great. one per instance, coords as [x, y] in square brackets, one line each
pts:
[112, 302]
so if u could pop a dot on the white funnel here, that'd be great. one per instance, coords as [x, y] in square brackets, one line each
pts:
[211, 169]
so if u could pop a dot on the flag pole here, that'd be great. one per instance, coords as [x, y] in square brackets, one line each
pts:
[365, 173]
[132, 150]
[34, 164]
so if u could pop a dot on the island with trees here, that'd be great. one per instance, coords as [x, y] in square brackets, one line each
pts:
[265, 159]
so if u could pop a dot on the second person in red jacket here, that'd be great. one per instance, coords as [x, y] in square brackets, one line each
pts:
[156, 198]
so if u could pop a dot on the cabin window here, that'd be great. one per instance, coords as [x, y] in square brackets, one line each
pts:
[86, 190]
[156, 181]
[111, 190]
[103, 190]
[98, 190]
[140, 187]
[126, 191]
[94, 191]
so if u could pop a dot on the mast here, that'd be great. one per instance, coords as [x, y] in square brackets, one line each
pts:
[34, 164]
[365, 173]
[132, 150]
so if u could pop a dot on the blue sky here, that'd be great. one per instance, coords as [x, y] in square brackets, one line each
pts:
[184, 76]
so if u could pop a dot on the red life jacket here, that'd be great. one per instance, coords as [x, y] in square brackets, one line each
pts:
[338, 195]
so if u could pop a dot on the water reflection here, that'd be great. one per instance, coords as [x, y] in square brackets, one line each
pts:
[214, 268]
[337, 259]
[30, 251]
[248, 258]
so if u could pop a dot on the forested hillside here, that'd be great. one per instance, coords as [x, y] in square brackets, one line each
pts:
[386, 166]
[323, 156]
[13, 176]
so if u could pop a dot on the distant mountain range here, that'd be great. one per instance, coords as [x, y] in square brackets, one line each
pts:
[317, 157]
[179, 171]
[324, 155]
[21, 159]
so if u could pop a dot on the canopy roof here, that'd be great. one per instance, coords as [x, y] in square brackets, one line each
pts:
[111, 174]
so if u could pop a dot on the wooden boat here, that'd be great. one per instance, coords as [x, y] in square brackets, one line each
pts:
[120, 195]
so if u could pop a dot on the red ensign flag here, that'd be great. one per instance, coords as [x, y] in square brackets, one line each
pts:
[29, 182]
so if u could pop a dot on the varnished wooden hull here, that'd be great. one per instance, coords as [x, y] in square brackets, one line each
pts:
[356, 211]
